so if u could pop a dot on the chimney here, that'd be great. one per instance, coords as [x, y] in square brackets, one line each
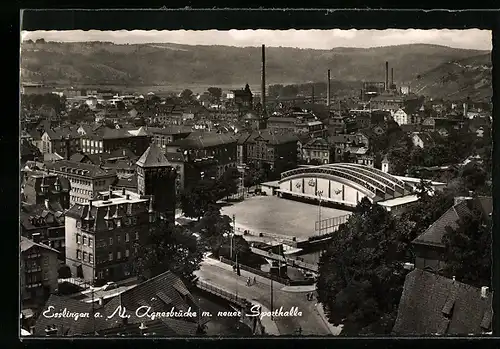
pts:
[123, 191]
[386, 76]
[328, 89]
[484, 292]
[263, 87]
[90, 204]
[392, 77]
[361, 95]
[35, 237]
[128, 197]
[312, 92]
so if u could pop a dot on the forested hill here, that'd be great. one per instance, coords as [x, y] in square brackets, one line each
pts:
[167, 64]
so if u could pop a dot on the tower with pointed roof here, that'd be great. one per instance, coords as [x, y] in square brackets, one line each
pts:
[385, 164]
[156, 179]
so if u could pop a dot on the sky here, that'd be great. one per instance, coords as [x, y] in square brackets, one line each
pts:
[315, 39]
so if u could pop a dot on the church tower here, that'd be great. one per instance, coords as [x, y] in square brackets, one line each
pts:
[385, 164]
[156, 179]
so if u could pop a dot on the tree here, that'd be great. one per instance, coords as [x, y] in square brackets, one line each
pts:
[473, 176]
[168, 247]
[195, 201]
[228, 185]
[215, 92]
[213, 228]
[120, 105]
[468, 250]
[186, 94]
[361, 273]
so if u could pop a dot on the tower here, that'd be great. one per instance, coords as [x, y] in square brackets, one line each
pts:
[387, 76]
[156, 179]
[385, 164]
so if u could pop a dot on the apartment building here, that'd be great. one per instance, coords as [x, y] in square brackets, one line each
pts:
[101, 234]
[86, 180]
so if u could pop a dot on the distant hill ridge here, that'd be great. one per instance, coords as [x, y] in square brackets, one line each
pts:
[170, 64]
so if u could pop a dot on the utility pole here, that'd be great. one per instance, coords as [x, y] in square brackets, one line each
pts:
[232, 235]
[93, 309]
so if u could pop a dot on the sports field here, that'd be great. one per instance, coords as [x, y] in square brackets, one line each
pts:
[271, 214]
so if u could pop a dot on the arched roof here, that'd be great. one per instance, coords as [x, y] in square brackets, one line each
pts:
[375, 181]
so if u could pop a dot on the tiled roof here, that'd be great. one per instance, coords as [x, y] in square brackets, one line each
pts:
[25, 244]
[77, 168]
[272, 137]
[200, 140]
[432, 304]
[434, 234]
[77, 157]
[343, 138]
[68, 326]
[127, 182]
[153, 157]
[316, 142]
[28, 149]
[170, 130]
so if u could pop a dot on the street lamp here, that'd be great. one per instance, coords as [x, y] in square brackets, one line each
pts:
[320, 194]
[231, 237]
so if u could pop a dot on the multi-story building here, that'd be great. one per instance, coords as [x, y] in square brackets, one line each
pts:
[163, 136]
[107, 140]
[318, 150]
[206, 154]
[44, 198]
[86, 180]
[341, 144]
[335, 125]
[100, 235]
[401, 117]
[63, 141]
[273, 152]
[156, 176]
[38, 273]
[243, 98]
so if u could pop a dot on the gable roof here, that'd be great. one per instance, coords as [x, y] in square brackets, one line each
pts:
[433, 304]
[153, 157]
[25, 244]
[434, 234]
[272, 137]
[200, 140]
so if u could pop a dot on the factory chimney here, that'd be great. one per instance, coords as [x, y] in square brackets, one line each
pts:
[263, 87]
[312, 91]
[328, 89]
[387, 76]
[392, 77]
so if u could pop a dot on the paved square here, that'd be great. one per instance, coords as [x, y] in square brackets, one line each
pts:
[272, 214]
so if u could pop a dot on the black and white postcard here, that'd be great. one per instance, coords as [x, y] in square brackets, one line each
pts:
[238, 183]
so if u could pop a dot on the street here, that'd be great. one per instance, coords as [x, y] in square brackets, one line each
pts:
[224, 277]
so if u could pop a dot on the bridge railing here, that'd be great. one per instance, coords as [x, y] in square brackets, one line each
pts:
[258, 272]
[222, 293]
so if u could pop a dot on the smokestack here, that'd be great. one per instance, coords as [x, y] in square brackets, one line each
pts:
[392, 77]
[386, 76]
[312, 93]
[361, 95]
[328, 89]
[263, 88]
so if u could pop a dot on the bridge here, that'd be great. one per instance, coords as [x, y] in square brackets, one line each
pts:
[294, 262]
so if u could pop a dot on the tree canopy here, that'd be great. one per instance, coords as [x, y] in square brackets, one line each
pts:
[361, 273]
[215, 92]
[468, 250]
[168, 247]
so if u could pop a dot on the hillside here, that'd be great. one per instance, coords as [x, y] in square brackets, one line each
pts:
[459, 79]
[170, 64]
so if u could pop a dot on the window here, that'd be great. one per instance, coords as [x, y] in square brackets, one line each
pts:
[84, 256]
[110, 257]
[135, 250]
[78, 254]
[78, 223]
[91, 258]
[45, 275]
[110, 241]
[118, 255]
[127, 237]
[90, 242]
[84, 240]
[136, 235]
[77, 238]
[118, 238]
[46, 260]
[127, 253]
[118, 223]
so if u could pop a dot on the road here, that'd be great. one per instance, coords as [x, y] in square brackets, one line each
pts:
[224, 277]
